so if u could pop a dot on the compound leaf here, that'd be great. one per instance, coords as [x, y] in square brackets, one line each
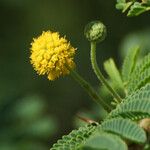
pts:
[125, 128]
[104, 141]
[75, 139]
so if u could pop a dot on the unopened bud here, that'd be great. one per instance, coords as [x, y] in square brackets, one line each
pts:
[95, 31]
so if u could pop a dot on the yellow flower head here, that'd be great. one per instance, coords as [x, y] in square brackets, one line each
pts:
[52, 55]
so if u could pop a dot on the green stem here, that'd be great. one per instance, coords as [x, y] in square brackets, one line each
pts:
[88, 88]
[99, 74]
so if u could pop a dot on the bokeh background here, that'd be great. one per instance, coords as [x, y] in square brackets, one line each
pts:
[35, 112]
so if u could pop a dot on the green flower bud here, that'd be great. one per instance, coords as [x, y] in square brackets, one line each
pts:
[95, 31]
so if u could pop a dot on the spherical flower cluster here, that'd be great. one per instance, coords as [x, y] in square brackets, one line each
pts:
[52, 55]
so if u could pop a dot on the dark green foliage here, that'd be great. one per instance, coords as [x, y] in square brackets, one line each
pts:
[75, 139]
[134, 110]
[139, 81]
[123, 5]
[137, 9]
[145, 63]
[104, 141]
[125, 128]
[134, 7]
[140, 94]
[140, 76]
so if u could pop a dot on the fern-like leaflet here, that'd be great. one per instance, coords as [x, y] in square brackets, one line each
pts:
[140, 76]
[104, 141]
[125, 128]
[75, 139]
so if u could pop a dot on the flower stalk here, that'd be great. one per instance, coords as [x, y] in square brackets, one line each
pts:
[91, 92]
[96, 32]
[99, 74]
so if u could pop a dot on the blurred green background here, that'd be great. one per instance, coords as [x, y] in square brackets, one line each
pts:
[35, 112]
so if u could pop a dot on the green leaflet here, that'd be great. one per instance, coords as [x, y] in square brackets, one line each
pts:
[144, 64]
[125, 128]
[134, 7]
[135, 106]
[104, 141]
[129, 63]
[140, 94]
[134, 109]
[139, 81]
[113, 72]
[123, 6]
[140, 75]
[75, 139]
[137, 9]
